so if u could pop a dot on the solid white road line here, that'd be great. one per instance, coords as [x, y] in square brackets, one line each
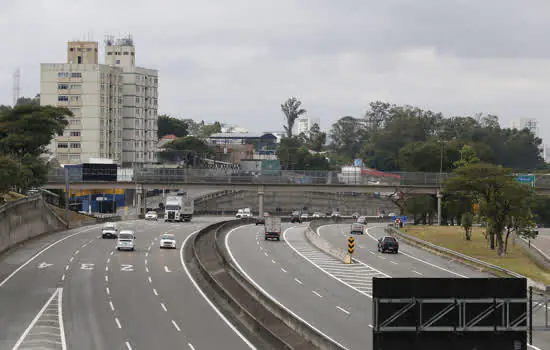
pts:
[218, 312]
[60, 319]
[265, 292]
[342, 309]
[176, 325]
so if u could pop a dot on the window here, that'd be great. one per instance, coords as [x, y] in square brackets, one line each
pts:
[133, 53]
[74, 157]
[89, 49]
[75, 145]
[71, 49]
[137, 99]
[79, 59]
[76, 86]
[62, 86]
[63, 98]
[75, 133]
[62, 145]
[125, 53]
[75, 98]
[76, 111]
[76, 74]
[74, 122]
[62, 75]
[109, 53]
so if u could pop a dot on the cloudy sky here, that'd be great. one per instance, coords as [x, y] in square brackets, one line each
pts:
[236, 61]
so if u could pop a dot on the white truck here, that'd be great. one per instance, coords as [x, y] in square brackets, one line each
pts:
[273, 228]
[243, 213]
[179, 208]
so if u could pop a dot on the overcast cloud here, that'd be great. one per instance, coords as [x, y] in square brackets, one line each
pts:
[236, 61]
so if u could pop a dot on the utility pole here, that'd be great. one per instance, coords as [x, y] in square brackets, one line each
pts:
[440, 185]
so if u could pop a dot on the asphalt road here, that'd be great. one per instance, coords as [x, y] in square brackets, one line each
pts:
[83, 293]
[331, 296]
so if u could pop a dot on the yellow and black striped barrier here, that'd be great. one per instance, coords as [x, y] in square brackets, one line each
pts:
[351, 249]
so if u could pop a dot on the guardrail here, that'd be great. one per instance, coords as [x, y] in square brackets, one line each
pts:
[462, 258]
[260, 314]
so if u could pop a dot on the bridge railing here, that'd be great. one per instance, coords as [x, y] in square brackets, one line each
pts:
[235, 176]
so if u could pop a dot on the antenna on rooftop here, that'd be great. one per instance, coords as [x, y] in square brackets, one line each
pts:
[16, 86]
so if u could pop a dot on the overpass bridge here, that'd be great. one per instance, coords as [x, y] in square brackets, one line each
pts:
[280, 181]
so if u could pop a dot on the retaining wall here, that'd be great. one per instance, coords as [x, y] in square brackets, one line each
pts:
[26, 218]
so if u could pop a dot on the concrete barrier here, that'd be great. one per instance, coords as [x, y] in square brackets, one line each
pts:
[24, 219]
[320, 243]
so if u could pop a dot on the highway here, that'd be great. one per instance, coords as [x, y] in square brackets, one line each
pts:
[330, 296]
[74, 290]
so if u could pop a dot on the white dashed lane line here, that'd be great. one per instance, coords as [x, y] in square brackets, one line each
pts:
[118, 322]
[319, 295]
[164, 307]
[298, 281]
[176, 326]
[343, 310]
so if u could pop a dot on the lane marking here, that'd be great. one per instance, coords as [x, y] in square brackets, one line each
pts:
[128, 346]
[285, 271]
[166, 269]
[370, 326]
[191, 346]
[269, 295]
[107, 268]
[164, 307]
[107, 290]
[147, 269]
[57, 293]
[118, 322]
[319, 295]
[150, 280]
[76, 252]
[108, 260]
[106, 278]
[176, 325]
[145, 261]
[66, 267]
[155, 291]
[71, 259]
[393, 262]
[342, 309]
[112, 306]
[146, 254]
[265, 253]
[418, 273]
[273, 261]
[63, 277]
[415, 258]
[112, 252]
[298, 281]
[218, 312]
[382, 257]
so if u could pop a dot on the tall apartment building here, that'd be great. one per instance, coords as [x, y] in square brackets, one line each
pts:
[114, 104]
[533, 125]
[304, 124]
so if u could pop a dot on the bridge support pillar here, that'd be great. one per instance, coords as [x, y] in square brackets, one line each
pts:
[260, 201]
[139, 197]
[439, 196]
[144, 191]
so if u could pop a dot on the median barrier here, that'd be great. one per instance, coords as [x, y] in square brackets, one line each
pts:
[258, 313]
[462, 258]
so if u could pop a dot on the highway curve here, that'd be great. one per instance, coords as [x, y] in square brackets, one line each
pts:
[100, 298]
[333, 297]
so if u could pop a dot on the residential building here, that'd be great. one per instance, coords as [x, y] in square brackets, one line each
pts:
[237, 146]
[115, 105]
[304, 124]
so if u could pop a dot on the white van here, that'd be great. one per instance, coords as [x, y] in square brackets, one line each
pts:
[126, 240]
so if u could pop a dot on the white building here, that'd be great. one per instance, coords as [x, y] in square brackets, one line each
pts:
[304, 124]
[115, 104]
[530, 123]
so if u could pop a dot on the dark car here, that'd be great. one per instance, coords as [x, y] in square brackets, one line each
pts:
[388, 244]
[296, 217]
[260, 221]
[181, 193]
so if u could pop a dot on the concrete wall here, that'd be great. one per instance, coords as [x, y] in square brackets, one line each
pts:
[26, 218]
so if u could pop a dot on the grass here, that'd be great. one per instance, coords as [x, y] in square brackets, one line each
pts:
[73, 216]
[11, 196]
[453, 238]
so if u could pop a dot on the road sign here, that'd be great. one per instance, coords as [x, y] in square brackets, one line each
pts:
[526, 179]
[351, 245]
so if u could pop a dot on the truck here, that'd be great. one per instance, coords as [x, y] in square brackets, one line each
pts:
[243, 213]
[179, 208]
[188, 208]
[273, 228]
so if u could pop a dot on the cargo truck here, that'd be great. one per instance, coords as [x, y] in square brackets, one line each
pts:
[273, 228]
[179, 208]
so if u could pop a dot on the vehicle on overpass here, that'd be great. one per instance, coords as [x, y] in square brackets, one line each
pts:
[167, 240]
[109, 230]
[151, 215]
[357, 228]
[318, 215]
[362, 220]
[388, 243]
[304, 216]
[243, 213]
[126, 240]
[273, 228]
[260, 220]
[296, 216]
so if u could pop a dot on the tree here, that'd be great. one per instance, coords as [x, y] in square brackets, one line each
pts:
[292, 111]
[169, 125]
[467, 157]
[316, 139]
[294, 155]
[207, 130]
[11, 171]
[501, 196]
[467, 222]
[426, 156]
[193, 128]
[346, 135]
[421, 207]
[28, 101]
[185, 149]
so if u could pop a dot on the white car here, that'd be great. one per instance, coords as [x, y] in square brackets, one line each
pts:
[126, 240]
[109, 230]
[304, 216]
[167, 240]
[151, 215]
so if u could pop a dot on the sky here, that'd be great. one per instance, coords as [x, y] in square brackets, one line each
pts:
[237, 61]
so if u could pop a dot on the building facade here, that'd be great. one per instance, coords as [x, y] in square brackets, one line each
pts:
[304, 125]
[115, 105]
